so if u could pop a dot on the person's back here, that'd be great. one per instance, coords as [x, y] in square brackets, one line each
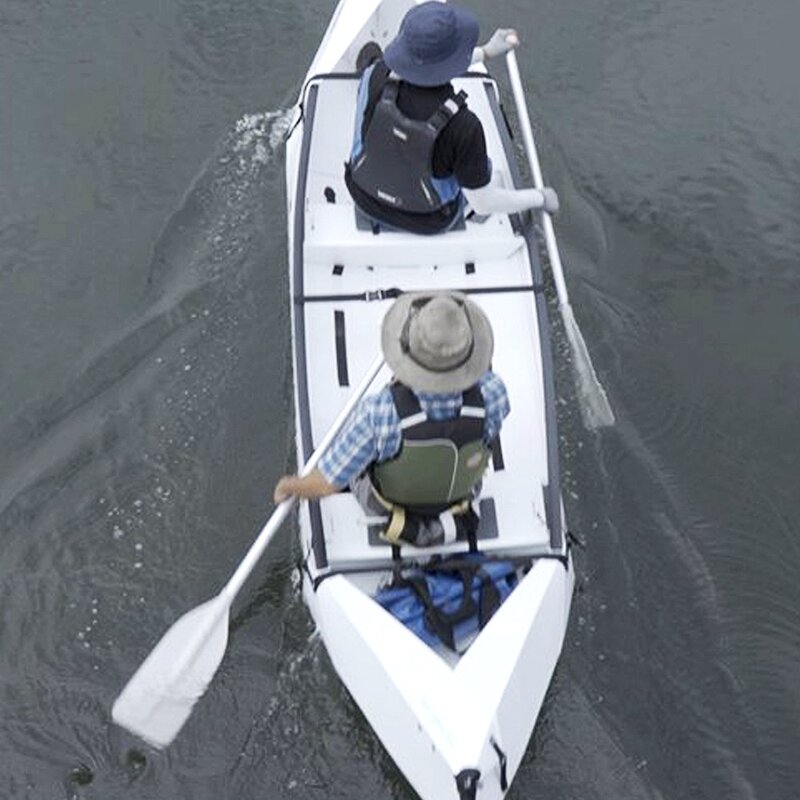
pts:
[417, 149]
[414, 453]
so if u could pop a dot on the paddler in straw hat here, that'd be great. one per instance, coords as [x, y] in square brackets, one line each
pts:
[415, 452]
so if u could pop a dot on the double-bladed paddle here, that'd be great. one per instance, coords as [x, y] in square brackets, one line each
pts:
[159, 697]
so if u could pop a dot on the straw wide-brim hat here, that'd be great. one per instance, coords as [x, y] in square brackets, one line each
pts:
[437, 342]
[434, 44]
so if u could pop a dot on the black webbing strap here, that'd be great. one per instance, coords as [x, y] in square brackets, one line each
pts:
[389, 90]
[445, 112]
[489, 599]
[394, 292]
[442, 623]
[503, 761]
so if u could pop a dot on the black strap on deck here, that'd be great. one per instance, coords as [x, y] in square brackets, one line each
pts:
[498, 462]
[503, 760]
[341, 348]
[394, 292]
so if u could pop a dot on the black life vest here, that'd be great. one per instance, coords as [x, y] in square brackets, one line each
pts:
[393, 162]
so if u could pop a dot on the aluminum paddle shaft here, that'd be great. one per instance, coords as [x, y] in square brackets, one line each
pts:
[244, 569]
[159, 698]
[596, 407]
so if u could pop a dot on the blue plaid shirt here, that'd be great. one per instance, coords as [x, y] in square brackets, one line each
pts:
[372, 433]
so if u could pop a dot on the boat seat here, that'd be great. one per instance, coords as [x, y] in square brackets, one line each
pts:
[333, 236]
[510, 525]
[365, 223]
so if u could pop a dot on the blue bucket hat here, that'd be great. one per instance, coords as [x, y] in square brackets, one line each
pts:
[434, 45]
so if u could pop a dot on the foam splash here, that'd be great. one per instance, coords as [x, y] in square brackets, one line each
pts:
[258, 137]
[221, 212]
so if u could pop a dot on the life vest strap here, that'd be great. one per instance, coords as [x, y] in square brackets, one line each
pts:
[447, 111]
[403, 523]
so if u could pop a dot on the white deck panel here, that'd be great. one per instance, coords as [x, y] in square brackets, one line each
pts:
[521, 522]
[319, 277]
[517, 490]
[332, 238]
[407, 261]
[516, 360]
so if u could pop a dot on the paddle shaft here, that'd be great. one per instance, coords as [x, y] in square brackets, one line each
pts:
[232, 587]
[538, 182]
[598, 410]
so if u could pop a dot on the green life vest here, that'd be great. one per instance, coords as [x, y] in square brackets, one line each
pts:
[440, 461]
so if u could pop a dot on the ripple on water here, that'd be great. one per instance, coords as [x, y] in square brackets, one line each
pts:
[700, 571]
[115, 512]
[308, 739]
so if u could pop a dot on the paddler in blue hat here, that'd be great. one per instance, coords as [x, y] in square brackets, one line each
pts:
[418, 151]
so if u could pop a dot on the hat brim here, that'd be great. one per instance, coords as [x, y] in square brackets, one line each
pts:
[400, 60]
[417, 377]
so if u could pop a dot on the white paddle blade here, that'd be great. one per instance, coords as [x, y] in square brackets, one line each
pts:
[159, 698]
[595, 408]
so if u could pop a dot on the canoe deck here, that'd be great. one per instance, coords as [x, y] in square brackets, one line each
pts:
[337, 332]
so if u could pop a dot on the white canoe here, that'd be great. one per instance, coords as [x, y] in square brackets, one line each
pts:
[456, 725]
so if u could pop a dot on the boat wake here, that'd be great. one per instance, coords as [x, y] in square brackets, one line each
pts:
[126, 496]
[650, 622]
[306, 726]
[212, 227]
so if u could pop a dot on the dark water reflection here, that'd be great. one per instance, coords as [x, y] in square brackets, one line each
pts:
[145, 398]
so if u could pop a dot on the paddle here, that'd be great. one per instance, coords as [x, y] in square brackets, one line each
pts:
[161, 694]
[597, 407]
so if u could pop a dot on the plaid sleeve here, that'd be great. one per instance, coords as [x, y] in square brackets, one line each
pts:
[495, 400]
[372, 433]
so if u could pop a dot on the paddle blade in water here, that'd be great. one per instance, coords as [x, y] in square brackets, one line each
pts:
[160, 696]
[595, 408]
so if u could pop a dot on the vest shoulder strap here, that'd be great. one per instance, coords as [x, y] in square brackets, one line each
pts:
[472, 403]
[408, 408]
[386, 89]
[410, 411]
[447, 110]
[389, 90]
[378, 80]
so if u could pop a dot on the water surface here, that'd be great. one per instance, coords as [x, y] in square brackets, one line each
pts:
[145, 400]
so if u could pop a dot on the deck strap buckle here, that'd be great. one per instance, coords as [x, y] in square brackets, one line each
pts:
[382, 294]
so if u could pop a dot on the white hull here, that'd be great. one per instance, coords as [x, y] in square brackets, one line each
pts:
[437, 714]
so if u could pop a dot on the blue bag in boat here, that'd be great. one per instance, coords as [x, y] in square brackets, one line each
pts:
[449, 600]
